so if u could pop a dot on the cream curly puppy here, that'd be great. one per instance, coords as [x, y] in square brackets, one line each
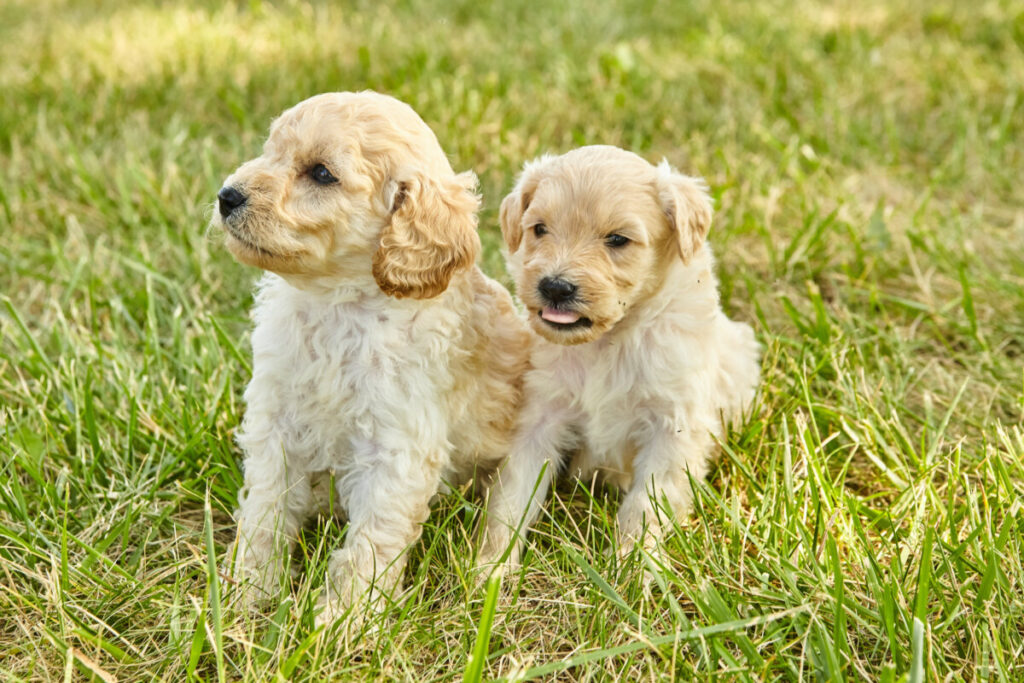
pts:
[635, 365]
[383, 359]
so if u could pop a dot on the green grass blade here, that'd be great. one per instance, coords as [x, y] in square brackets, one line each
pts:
[475, 665]
[213, 587]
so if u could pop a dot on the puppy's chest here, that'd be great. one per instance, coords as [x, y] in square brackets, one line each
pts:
[339, 362]
[617, 394]
[606, 414]
[607, 395]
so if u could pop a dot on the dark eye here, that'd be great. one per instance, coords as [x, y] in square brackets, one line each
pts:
[321, 175]
[539, 230]
[616, 241]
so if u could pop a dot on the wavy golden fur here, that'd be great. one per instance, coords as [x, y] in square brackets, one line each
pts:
[384, 361]
[432, 235]
[635, 366]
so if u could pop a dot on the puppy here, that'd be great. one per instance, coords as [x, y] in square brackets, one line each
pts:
[635, 366]
[384, 360]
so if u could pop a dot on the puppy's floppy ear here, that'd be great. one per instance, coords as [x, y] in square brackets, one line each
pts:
[687, 205]
[515, 204]
[432, 234]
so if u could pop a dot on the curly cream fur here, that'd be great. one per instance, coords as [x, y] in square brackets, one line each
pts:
[639, 394]
[383, 359]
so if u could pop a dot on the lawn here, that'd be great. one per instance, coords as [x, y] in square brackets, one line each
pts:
[865, 522]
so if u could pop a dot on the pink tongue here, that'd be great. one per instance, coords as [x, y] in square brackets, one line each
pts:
[560, 317]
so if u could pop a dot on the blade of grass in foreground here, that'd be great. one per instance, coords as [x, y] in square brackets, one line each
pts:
[916, 673]
[213, 581]
[475, 665]
[657, 641]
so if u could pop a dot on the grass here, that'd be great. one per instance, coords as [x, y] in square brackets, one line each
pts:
[865, 523]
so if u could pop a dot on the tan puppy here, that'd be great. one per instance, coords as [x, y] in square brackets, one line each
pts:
[635, 366]
[383, 358]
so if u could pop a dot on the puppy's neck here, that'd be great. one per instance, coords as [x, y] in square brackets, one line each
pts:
[332, 289]
[351, 286]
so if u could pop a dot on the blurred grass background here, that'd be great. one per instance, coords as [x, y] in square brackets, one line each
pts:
[865, 158]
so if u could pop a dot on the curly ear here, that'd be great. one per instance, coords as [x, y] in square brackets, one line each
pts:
[432, 235]
[518, 200]
[687, 205]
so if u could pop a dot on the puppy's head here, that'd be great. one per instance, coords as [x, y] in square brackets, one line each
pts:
[592, 233]
[349, 185]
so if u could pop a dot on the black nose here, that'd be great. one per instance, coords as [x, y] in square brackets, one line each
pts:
[556, 290]
[229, 200]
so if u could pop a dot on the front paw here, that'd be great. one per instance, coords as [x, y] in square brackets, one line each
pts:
[486, 567]
[649, 552]
[496, 556]
[349, 593]
[349, 573]
[330, 611]
[249, 589]
[245, 597]
[347, 617]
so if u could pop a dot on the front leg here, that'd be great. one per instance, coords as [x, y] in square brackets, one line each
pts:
[522, 483]
[387, 499]
[662, 471]
[274, 503]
